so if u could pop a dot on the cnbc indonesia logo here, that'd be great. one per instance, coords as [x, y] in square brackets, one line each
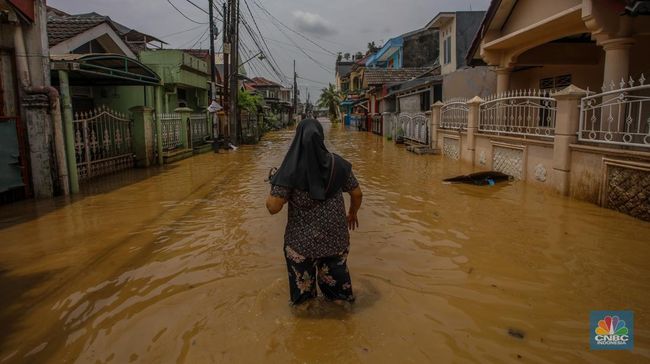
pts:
[612, 330]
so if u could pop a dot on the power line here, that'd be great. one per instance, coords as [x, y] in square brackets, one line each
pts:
[292, 30]
[181, 32]
[314, 81]
[251, 33]
[184, 16]
[262, 37]
[302, 51]
[198, 7]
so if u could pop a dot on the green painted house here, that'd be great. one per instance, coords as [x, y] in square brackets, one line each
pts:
[184, 77]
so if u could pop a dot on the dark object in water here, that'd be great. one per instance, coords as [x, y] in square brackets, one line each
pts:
[516, 333]
[480, 178]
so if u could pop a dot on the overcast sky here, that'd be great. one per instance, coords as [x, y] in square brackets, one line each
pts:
[335, 25]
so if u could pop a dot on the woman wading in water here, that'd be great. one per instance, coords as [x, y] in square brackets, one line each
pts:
[316, 240]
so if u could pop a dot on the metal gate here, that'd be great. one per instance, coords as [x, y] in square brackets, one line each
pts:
[103, 142]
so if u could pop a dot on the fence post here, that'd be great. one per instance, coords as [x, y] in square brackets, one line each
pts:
[186, 134]
[435, 123]
[472, 125]
[567, 123]
[143, 135]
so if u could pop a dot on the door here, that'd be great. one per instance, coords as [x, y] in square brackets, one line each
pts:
[14, 161]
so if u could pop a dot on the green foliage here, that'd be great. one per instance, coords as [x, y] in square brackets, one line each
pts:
[330, 99]
[249, 102]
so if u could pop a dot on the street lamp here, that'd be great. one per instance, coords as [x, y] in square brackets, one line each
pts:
[259, 56]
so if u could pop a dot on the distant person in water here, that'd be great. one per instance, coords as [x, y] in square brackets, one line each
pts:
[316, 240]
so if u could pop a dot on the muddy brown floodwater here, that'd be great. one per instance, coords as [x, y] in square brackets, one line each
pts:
[184, 264]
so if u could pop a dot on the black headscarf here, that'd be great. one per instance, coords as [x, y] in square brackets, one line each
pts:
[309, 166]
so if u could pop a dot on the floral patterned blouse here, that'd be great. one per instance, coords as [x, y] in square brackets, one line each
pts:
[316, 229]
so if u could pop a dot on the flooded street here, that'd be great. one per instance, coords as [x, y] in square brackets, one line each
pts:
[184, 264]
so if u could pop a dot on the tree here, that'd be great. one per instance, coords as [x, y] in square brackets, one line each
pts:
[330, 99]
[346, 56]
[372, 47]
[358, 56]
[339, 56]
[249, 102]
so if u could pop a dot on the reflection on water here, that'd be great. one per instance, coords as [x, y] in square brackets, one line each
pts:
[183, 264]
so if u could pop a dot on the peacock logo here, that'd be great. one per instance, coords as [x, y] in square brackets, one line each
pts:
[611, 325]
[612, 330]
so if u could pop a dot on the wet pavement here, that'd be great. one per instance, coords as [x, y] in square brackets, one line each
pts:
[184, 264]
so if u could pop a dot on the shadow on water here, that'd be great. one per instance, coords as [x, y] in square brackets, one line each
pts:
[23, 211]
[14, 290]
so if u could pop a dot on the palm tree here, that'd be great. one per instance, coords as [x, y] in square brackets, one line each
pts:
[330, 99]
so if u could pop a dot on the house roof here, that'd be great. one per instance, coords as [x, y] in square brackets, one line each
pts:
[381, 76]
[494, 11]
[62, 26]
[263, 82]
[60, 29]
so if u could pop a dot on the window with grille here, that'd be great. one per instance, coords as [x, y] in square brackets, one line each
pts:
[554, 83]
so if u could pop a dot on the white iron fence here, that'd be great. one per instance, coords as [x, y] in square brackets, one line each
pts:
[200, 128]
[415, 126]
[453, 114]
[619, 115]
[103, 142]
[523, 112]
[171, 125]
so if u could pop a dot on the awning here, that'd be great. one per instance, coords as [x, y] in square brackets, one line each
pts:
[103, 70]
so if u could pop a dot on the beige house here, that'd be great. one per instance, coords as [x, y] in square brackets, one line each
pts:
[571, 112]
[456, 31]
[551, 44]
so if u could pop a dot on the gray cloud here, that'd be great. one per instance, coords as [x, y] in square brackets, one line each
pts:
[312, 23]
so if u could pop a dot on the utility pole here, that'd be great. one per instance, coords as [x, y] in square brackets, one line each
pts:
[235, 126]
[295, 89]
[226, 55]
[213, 67]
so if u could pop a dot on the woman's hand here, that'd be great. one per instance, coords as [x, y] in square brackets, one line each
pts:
[274, 204]
[353, 221]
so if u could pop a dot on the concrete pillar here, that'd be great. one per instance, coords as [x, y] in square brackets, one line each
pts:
[68, 130]
[386, 125]
[503, 79]
[617, 60]
[472, 125]
[435, 123]
[566, 133]
[158, 126]
[41, 141]
[186, 134]
[143, 127]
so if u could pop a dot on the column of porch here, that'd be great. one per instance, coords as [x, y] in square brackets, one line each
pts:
[617, 60]
[503, 79]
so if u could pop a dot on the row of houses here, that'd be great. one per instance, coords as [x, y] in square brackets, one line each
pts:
[82, 96]
[552, 93]
[408, 72]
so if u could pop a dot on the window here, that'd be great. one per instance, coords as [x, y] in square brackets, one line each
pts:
[425, 101]
[447, 50]
[554, 83]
